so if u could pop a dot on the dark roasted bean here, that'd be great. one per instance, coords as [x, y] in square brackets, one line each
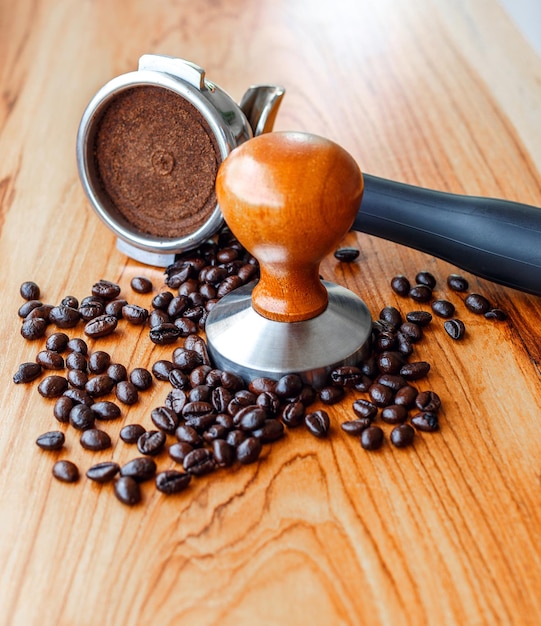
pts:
[364, 384]
[318, 423]
[404, 344]
[400, 285]
[141, 378]
[386, 341]
[127, 490]
[250, 417]
[131, 432]
[172, 481]
[76, 361]
[95, 439]
[106, 410]
[78, 345]
[42, 311]
[26, 308]
[391, 315]
[426, 278]
[271, 430]
[162, 300]
[406, 396]
[346, 375]
[443, 308]
[99, 385]
[346, 255]
[158, 317]
[135, 314]
[34, 328]
[179, 380]
[188, 434]
[151, 442]
[103, 472]
[456, 282]
[390, 362]
[331, 394]
[496, 314]
[82, 417]
[91, 310]
[372, 438]
[79, 396]
[164, 419]
[198, 376]
[176, 399]
[126, 392]
[402, 435]
[200, 461]
[228, 285]
[52, 440]
[220, 399]
[249, 450]
[177, 306]
[289, 386]
[215, 431]
[428, 401]
[98, 362]
[293, 414]
[164, 334]
[185, 326]
[421, 293]
[141, 284]
[77, 378]
[240, 400]
[394, 414]
[412, 331]
[186, 360]
[415, 371]
[476, 303]
[57, 342]
[188, 287]
[236, 437]
[421, 318]
[117, 372]
[381, 395]
[179, 450]
[200, 393]
[64, 316]
[365, 408]
[52, 386]
[101, 326]
[140, 469]
[62, 409]
[29, 290]
[232, 381]
[197, 344]
[393, 381]
[115, 307]
[426, 421]
[224, 453]
[105, 289]
[247, 272]
[66, 471]
[27, 372]
[269, 402]
[356, 427]
[455, 328]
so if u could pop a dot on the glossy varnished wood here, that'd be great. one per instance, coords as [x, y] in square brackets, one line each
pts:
[442, 94]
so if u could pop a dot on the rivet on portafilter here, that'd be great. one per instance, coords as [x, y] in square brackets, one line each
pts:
[289, 198]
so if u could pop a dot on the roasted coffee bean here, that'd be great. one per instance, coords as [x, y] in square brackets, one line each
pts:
[364, 383]
[227, 254]
[78, 345]
[406, 396]
[177, 306]
[151, 442]
[188, 287]
[413, 332]
[197, 344]
[365, 408]
[385, 341]
[236, 437]
[32, 329]
[57, 342]
[79, 396]
[52, 386]
[250, 417]
[289, 386]
[421, 318]
[176, 399]
[455, 328]
[390, 362]
[95, 439]
[346, 255]
[224, 453]
[29, 290]
[198, 376]
[372, 438]
[197, 409]
[91, 310]
[188, 434]
[105, 289]
[71, 301]
[214, 275]
[215, 431]
[179, 450]
[200, 461]
[76, 361]
[391, 315]
[269, 402]
[141, 378]
[26, 308]
[164, 419]
[82, 417]
[220, 399]
[106, 410]
[404, 344]
[393, 381]
[400, 285]
[26, 373]
[496, 314]
[356, 427]
[131, 433]
[249, 450]
[66, 471]
[114, 307]
[425, 421]
[77, 378]
[185, 326]
[171, 481]
[421, 293]
[101, 326]
[225, 420]
[186, 360]
[52, 440]
[127, 490]
[103, 472]
[426, 278]
[293, 414]
[307, 395]
[64, 316]
[157, 317]
[164, 334]
[346, 376]
[415, 371]
[443, 308]
[380, 395]
[126, 392]
[428, 401]
[92, 300]
[456, 282]
[99, 385]
[228, 285]
[241, 399]
[394, 414]
[232, 381]
[162, 300]
[318, 423]
[199, 393]
[62, 409]
[117, 372]
[331, 394]
[247, 272]
[99, 361]
[135, 314]
[476, 303]
[42, 311]
[140, 469]
[141, 284]
[271, 430]
[402, 435]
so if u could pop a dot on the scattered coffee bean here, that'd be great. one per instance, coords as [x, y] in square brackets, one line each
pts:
[356, 427]
[27, 308]
[365, 409]
[127, 490]
[421, 293]
[53, 386]
[50, 360]
[496, 314]
[66, 471]
[400, 285]
[62, 409]
[394, 414]
[425, 421]
[476, 303]
[380, 395]
[76, 361]
[151, 442]
[428, 401]
[179, 450]
[249, 450]
[141, 378]
[421, 318]
[172, 481]
[95, 439]
[78, 345]
[27, 372]
[372, 438]
[141, 284]
[164, 334]
[99, 385]
[131, 432]
[117, 372]
[331, 394]
[126, 392]
[101, 326]
[52, 440]
[318, 423]
[29, 290]
[105, 410]
[57, 342]
[426, 278]
[456, 282]
[402, 435]
[135, 314]
[103, 472]
[406, 396]
[140, 469]
[455, 328]
[293, 414]
[415, 371]
[224, 453]
[200, 461]
[164, 419]
[443, 308]
[99, 361]
[82, 417]
[346, 255]
[70, 301]
[32, 329]
[105, 289]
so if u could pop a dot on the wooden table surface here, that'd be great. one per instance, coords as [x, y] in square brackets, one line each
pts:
[441, 94]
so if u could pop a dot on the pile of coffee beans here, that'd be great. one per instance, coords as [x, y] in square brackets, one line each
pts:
[211, 419]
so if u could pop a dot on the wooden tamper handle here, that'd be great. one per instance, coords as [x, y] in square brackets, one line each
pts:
[289, 198]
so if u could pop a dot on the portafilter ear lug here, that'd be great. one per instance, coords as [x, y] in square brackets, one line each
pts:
[260, 104]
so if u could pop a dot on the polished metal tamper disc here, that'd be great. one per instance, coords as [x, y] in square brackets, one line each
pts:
[289, 198]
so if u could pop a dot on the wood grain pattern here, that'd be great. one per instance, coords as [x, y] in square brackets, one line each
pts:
[442, 94]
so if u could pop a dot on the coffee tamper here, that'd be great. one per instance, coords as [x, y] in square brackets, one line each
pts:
[289, 198]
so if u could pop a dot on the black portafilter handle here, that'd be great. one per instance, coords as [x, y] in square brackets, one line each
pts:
[495, 239]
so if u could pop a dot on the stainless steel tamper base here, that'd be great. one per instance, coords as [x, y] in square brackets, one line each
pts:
[243, 341]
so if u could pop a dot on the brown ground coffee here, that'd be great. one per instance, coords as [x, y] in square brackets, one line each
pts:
[157, 160]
